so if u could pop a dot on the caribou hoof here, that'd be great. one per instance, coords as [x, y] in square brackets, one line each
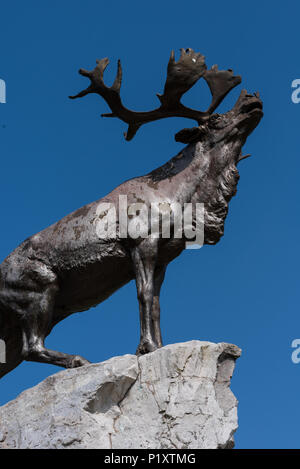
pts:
[146, 347]
[77, 361]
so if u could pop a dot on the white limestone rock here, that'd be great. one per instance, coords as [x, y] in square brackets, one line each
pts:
[175, 397]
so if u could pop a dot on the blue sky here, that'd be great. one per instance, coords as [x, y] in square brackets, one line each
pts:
[58, 154]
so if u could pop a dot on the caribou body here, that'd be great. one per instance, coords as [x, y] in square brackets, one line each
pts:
[68, 268]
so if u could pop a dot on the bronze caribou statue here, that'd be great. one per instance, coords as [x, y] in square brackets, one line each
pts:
[68, 268]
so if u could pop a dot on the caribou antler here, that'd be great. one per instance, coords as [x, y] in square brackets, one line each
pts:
[181, 76]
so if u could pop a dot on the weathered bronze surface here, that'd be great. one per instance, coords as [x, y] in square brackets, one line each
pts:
[67, 268]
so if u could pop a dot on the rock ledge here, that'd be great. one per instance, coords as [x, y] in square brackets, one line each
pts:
[176, 397]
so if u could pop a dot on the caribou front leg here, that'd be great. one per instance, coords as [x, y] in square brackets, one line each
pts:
[159, 276]
[144, 260]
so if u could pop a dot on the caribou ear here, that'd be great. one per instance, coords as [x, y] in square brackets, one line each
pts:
[243, 157]
[191, 135]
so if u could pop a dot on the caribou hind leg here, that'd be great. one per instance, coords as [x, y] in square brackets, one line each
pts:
[27, 293]
[11, 338]
[36, 324]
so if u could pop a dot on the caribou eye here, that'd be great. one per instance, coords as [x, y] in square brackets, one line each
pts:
[214, 119]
